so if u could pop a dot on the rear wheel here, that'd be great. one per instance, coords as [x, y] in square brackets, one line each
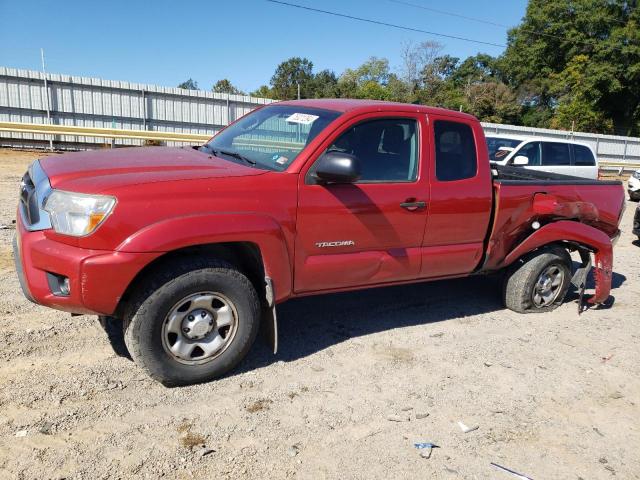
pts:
[539, 282]
[193, 323]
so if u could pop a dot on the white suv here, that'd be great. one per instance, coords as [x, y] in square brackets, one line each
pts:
[633, 186]
[556, 156]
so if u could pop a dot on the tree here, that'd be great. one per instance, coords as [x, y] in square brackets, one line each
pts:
[416, 59]
[373, 70]
[369, 80]
[579, 59]
[190, 84]
[288, 75]
[475, 69]
[225, 86]
[263, 91]
[324, 84]
[493, 102]
[574, 90]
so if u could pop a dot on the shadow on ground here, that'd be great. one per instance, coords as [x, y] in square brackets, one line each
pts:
[311, 324]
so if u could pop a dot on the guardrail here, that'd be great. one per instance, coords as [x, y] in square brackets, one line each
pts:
[47, 129]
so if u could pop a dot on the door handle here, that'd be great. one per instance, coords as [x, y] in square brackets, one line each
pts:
[413, 205]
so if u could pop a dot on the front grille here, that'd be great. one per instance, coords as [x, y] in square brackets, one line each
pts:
[29, 200]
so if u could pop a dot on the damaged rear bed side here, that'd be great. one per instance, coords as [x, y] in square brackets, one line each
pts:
[535, 209]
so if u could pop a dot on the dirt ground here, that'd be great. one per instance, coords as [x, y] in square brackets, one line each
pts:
[360, 377]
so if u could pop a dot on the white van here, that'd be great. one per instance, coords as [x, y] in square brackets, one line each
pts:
[535, 153]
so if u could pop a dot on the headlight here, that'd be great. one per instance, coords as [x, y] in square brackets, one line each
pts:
[77, 214]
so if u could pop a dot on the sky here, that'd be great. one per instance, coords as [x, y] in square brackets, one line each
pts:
[166, 42]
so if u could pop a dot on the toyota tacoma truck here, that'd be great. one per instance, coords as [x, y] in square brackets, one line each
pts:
[192, 248]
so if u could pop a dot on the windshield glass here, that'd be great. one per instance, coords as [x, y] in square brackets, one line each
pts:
[271, 137]
[494, 144]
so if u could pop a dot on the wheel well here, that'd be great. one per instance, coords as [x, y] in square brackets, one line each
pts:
[566, 246]
[245, 256]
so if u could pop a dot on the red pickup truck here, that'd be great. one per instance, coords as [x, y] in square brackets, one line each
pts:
[192, 248]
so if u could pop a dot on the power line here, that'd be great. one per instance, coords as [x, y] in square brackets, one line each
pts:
[488, 22]
[377, 22]
[451, 14]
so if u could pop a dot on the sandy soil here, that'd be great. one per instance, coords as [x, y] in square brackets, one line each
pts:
[360, 377]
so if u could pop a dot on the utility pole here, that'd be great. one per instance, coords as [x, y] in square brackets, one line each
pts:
[46, 92]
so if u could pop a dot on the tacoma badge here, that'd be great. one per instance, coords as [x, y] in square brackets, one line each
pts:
[339, 243]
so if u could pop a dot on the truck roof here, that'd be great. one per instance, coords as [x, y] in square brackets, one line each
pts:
[348, 105]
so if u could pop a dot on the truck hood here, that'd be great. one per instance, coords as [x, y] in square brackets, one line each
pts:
[99, 170]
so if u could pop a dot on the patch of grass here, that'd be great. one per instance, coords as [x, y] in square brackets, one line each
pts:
[258, 405]
[185, 426]
[191, 440]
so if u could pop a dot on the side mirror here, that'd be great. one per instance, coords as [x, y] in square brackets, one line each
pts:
[337, 167]
[521, 160]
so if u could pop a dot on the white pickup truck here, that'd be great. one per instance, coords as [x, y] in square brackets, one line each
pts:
[534, 153]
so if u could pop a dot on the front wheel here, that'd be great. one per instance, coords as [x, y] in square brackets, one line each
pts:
[193, 324]
[539, 282]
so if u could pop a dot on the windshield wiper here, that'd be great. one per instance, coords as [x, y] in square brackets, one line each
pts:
[230, 153]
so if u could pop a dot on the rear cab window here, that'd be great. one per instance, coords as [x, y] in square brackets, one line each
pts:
[583, 156]
[455, 151]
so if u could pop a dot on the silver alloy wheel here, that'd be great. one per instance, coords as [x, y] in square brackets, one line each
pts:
[199, 328]
[548, 286]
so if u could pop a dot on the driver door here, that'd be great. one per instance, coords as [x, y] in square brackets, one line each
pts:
[368, 232]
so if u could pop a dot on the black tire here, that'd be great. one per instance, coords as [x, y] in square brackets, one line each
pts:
[147, 312]
[521, 280]
[113, 328]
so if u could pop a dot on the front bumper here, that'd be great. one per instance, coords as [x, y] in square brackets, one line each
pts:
[633, 187]
[97, 278]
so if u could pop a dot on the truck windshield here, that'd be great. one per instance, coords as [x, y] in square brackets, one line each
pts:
[494, 144]
[271, 137]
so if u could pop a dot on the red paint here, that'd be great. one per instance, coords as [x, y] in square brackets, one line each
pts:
[169, 198]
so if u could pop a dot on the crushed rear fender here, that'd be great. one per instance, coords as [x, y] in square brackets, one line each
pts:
[584, 236]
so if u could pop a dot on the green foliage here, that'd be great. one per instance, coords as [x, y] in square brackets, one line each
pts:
[225, 86]
[263, 91]
[570, 64]
[288, 75]
[190, 84]
[580, 61]
[324, 84]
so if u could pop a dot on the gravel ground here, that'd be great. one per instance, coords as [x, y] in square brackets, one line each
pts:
[360, 377]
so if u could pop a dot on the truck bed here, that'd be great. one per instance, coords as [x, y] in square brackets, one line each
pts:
[522, 176]
[593, 202]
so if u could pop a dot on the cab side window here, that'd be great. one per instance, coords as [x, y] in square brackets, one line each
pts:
[532, 152]
[554, 154]
[455, 151]
[387, 149]
[582, 156]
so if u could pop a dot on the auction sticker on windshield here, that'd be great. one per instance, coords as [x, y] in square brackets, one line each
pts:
[302, 118]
